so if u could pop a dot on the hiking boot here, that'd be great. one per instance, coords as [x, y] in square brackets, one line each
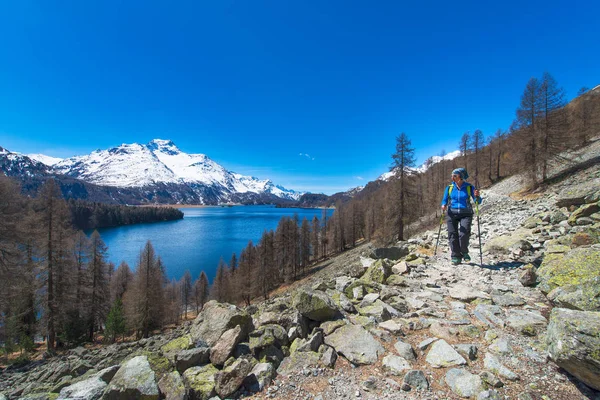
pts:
[466, 257]
[455, 260]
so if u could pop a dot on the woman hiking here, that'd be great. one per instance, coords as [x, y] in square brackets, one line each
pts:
[457, 200]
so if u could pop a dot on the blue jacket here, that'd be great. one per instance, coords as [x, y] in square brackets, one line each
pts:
[459, 198]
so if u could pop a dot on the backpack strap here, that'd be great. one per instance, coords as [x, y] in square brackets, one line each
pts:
[451, 186]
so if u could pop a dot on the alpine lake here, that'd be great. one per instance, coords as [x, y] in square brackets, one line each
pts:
[201, 238]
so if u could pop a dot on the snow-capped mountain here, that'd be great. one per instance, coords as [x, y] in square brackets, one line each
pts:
[423, 167]
[160, 162]
[46, 160]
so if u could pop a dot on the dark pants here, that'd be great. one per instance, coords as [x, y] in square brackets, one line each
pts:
[459, 231]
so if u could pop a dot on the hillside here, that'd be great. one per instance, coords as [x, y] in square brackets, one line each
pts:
[397, 322]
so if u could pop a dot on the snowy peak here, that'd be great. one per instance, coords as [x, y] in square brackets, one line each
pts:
[162, 162]
[423, 167]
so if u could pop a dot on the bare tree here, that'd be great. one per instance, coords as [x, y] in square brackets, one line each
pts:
[477, 141]
[201, 291]
[98, 284]
[528, 115]
[186, 290]
[464, 145]
[553, 124]
[403, 159]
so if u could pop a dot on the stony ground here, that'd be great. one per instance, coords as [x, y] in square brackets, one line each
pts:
[414, 327]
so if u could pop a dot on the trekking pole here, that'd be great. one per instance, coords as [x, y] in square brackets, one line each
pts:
[479, 234]
[439, 232]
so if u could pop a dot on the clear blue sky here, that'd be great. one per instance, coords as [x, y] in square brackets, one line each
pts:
[257, 85]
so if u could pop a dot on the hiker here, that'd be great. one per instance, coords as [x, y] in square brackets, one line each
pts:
[457, 200]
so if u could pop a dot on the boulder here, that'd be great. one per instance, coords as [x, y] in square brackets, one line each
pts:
[584, 297]
[298, 361]
[578, 266]
[528, 277]
[525, 322]
[315, 305]
[576, 195]
[190, 358]
[463, 383]
[442, 354]
[89, 389]
[221, 351]
[391, 253]
[573, 342]
[378, 272]
[216, 318]
[356, 344]
[171, 387]
[200, 381]
[396, 365]
[502, 244]
[416, 379]
[230, 378]
[260, 376]
[493, 364]
[268, 335]
[134, 380]
[583, 211]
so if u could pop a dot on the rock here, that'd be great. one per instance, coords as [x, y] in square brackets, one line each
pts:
[298, 361]
[416, 379]
[260, 376]
[466, 293]
[578, 266]
[424, 344]
[489, 315]
[463, 383]
[356, 344]
[491, 363]
[584, 297]
[108, 373]
[502, 244]
[221, 351]
[573, 342]
[528, 277]
[575, 195]
[525, 322]
[392, 326]
[135, 379]
[315, 305]
[329, 356]
[313, 343]
[342, 282]
[489, 395]
[190, 358]
[200, 381]
[501, 346]
[378, 272]
[181, 343]
[395, 364]
[400, 268]
[391, 253]
[89, 389]
[442, 354]
[405, 350]
[490, 379]
[377, 310]
[507, 300]
[329, 327]
[268, 335]
[171, 387]
[583, 211]
[230, 378]
[216, 318]
[469, 351]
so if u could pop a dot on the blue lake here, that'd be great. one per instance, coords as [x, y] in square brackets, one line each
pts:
[201, 238]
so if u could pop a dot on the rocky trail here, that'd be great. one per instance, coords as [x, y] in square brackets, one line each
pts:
[387, 323]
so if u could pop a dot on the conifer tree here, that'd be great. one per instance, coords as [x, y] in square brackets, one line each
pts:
[314, 237]
[528, 115]
[201, 291]
[186, 291]
[120, 281]
[553, 123]
[115, 321]
[403, 159]
[99, 293]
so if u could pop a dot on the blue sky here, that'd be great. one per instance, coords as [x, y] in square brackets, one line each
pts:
[259, 85]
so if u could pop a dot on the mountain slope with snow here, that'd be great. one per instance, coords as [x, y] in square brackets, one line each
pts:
[162, 162]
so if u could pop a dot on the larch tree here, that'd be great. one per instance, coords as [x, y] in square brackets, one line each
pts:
[527, 121]
[477, 143]
[403, 158]
[120, 281]
[201, 291]
[314, 237]
[305, 244]
[54, 221]
[99, 292]
[553, 122]
[464, 145]
[186, 291]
